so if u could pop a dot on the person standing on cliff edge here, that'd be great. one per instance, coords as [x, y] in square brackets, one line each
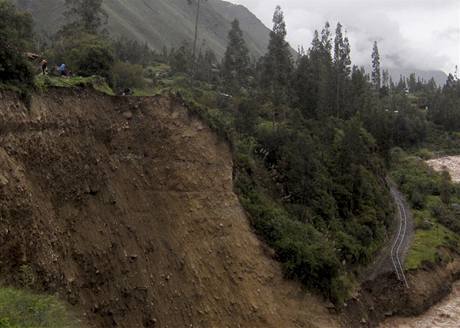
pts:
[44, 66]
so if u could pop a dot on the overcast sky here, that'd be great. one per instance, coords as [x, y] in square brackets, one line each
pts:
[421, 34]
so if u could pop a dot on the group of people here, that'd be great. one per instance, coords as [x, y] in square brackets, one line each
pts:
[35, 58]
[61, 69]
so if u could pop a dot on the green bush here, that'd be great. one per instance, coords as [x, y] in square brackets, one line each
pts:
[304, 251]
[126, 75]
[436, 221]
[15, 36]
[20, 309]
[14, 69]
[417, 199]
[85, 54]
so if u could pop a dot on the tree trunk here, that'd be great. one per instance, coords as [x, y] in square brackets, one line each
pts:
[196, 27]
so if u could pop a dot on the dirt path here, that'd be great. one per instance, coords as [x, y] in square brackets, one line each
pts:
[393, 254]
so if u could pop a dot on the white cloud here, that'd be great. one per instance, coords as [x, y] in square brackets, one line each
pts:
[422, 34]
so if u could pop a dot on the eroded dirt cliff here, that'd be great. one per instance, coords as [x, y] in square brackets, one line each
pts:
[125, 208]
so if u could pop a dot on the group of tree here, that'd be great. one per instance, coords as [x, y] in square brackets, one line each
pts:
[15, 36]
[82, 43]
[328, 207]
[323, 129]
[444, 104]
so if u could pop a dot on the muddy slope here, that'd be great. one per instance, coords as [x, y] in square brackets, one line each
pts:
[125, 208]
[385, 296]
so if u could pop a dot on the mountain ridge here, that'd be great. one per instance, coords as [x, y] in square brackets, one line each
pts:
[164, 23]
[170, 23]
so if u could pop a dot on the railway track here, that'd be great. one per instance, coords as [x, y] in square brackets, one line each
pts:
[397, 247]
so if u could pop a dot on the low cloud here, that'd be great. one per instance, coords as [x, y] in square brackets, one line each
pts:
[422, 34]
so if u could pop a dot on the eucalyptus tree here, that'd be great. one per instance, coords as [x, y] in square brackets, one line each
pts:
[197, 20]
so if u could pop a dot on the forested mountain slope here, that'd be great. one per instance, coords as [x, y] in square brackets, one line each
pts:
[164, 23]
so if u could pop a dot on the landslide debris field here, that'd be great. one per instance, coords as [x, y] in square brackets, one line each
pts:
[449, 163]
[125, 208]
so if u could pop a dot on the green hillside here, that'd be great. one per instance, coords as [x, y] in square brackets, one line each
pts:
[164, 22]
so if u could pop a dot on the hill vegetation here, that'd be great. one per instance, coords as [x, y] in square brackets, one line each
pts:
[313, 136]
[20, 309]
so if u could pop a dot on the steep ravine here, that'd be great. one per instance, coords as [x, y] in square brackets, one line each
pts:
[124, 207]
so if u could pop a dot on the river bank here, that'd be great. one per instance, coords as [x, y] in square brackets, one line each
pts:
[446, 314]
[384, 298]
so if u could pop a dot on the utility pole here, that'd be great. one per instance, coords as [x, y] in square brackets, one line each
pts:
[197, 19]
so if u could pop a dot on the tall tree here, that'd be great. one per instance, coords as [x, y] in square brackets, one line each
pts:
[401, 86]
[206, 64]
[342, 68]
[326, 39]
[326, 93]
[236, 61]
[277, 63]
[197, 21]
[15, 39]
[385, 83]
[306, 79]
[412, 82]
[376, 73]
[85, 14]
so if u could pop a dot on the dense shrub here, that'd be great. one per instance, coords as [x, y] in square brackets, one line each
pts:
[20, 309]
[84, 54]
[428, 189]
[15, 38]
[125, 75]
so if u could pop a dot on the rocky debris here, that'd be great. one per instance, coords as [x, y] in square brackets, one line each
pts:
[449, 163]
[128, 115]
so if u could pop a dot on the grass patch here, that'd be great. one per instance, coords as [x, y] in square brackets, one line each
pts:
[426, 245]
[95, 82]
[144, 92]
[437, 224]
[21, 309]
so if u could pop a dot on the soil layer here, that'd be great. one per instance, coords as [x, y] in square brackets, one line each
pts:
[125, 208]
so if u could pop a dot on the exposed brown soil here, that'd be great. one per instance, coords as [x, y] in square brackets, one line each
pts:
[124, 207]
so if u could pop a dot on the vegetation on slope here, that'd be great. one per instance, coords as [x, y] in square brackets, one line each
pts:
[434, 199]
[15, 34]
[21, 309]
[94, 82]
[301, 219]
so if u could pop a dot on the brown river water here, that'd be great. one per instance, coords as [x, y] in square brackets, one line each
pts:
[443, 315]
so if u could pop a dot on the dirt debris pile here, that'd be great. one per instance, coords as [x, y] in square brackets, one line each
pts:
[125, 208]
[449, 163]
